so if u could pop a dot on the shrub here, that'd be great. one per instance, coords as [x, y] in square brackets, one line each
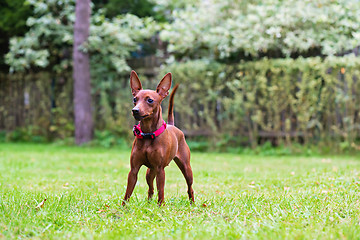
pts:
[284, 100]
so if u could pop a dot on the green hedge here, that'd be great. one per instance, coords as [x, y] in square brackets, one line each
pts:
[305, 100]
[310, 100]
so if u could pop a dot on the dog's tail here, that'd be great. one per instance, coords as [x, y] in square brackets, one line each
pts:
[171, 106]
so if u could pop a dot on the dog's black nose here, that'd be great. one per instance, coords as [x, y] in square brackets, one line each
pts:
[135, 111]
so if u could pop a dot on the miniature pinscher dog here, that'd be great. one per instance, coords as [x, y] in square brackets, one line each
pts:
[156, 143]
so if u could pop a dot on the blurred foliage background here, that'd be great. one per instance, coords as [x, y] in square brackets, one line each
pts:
[252, 73]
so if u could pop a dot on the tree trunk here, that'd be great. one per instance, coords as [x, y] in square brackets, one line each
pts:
[82, 89]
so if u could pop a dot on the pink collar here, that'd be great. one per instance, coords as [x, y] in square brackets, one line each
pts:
[139, 134]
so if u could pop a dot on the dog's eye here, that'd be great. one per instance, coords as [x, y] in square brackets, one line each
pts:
[150, 100]
[134, 100]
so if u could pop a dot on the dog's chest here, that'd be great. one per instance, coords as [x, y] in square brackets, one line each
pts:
[153, 153]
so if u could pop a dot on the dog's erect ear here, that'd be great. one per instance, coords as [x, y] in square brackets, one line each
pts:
[164, 85]
[135, 83]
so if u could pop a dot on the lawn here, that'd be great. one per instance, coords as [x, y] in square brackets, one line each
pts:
[236, 196]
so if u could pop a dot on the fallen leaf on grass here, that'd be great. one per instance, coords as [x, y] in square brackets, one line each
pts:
[251, 185]
[204, 205]
[219, 192]
[40, 205]
[103, 210]
[326, 160]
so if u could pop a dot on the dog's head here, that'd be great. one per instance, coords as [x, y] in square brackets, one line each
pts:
[148, 102]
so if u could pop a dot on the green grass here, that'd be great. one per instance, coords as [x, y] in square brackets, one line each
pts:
[237, 196]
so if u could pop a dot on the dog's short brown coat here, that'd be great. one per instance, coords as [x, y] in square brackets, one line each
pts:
[156, 153]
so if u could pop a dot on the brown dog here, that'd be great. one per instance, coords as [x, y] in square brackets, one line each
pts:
[156, 143]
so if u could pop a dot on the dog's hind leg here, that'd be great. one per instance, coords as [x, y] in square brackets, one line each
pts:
[150, 175]
[182, 160]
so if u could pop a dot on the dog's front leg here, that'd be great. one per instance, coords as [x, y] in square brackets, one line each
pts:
[160, 184]
[132, 179]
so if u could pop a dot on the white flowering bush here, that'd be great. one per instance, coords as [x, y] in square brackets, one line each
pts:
[48, 43]
[274, 28]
